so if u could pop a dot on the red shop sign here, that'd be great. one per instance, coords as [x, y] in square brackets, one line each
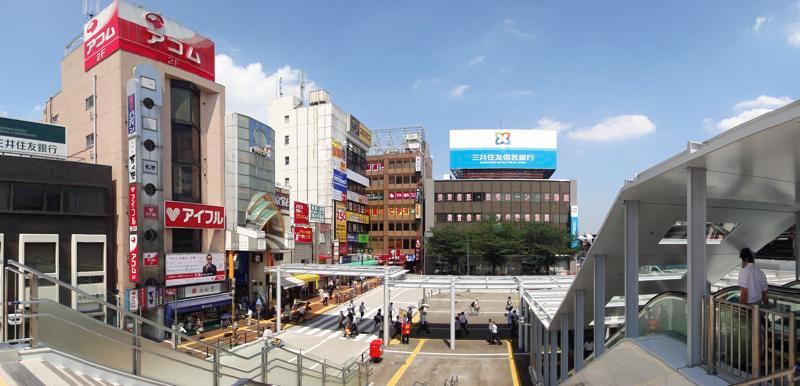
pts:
[133, 222]
[302, 235]
[194, 216]
[300, 212]
[133, 259]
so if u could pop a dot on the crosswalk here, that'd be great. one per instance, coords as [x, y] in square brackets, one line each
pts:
[327, 326]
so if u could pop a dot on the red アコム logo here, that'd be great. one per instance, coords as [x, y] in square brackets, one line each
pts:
[154, 19]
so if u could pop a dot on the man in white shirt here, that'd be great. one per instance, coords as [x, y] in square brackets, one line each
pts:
[752, 280]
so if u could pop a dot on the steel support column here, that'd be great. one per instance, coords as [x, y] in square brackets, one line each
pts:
[452, 313]
[564, 347]
[537, 347]
[553, 357]
[631, 269]
[278, 309]
[545, 356]
[599, 337]
[520, 322]
[386, 305]
[796, 246]
[695, 262]
[578, 330]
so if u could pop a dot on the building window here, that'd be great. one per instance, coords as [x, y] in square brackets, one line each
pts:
[285, 139]
[187, 240]
[89, 102]
[90, 140]
[186, 153]
[54, 119]
[28, 196]
[286, 160]
[90, 257]
[285, 119]
[286, 182]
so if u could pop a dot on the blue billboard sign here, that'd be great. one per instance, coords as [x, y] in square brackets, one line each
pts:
[503, 159]
[573, 225]
[339, 181]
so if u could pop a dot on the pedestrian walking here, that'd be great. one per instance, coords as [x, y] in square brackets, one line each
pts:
[362, 309]
[325, 296]
[397, 327]
[410, 313]
[752, 280]
[351, 308]
[391, 311]
[462, 320]
[474, 307]
[341, 319]
[406, 332]
[509, 306]
[512, 320]
[423, 322]
[493, 337]
[378, 320]
[249, 316]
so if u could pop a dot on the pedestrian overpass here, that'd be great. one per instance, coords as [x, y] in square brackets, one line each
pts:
[694, 210]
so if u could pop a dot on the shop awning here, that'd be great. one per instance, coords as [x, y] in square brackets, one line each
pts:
[195, 304]
[291, 282]
[307, 277]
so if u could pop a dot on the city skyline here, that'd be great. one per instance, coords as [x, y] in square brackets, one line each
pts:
[623, 90]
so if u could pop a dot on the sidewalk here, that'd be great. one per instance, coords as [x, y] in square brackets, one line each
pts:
[246, 334]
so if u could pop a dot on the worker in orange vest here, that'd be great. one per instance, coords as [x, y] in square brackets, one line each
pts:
[406, 328]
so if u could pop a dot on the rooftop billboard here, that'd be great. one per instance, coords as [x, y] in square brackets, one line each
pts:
[503, 149]
[32, 138]
[149, 34]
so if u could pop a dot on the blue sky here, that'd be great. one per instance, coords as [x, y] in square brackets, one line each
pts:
[628, 83]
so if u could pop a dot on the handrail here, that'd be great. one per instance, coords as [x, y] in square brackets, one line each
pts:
[121, 310]
[129, 345]
[789, 374]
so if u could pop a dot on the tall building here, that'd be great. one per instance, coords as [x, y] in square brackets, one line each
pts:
[502, 175]
[321, 155]
[139, 95]
[399, 168]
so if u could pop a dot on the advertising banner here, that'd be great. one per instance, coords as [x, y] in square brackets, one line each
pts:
[418, 164]
[32, 138]
[357, 217]
[375, 196]
[133, 222]
[300, 212]
[337, 150]
[150, 211]
[340, 181]
[283, 201]
[193, 268]
[150, 259]
[353, 196]
[133, 259]
[363, 238]
[200, 290]
[193, 216]
[341, 221]
[132, 160]
[260, 139]
[132, 299]
[317, 213]
[131, 115]
[573, 225]
[123, 26]
[360, 130]
[506, 149]
[303, 235]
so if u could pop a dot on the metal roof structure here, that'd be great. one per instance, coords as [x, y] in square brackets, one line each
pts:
[751, 173]
[339, 270]
[483, 282]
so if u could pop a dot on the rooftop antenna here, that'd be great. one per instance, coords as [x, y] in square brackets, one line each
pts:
[280, 86]
[91, 8]
[302, 87]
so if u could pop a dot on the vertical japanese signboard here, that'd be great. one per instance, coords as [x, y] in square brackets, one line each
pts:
[341, 222]
[300, 212]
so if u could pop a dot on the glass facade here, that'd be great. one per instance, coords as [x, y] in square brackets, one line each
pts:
[256, 161]
[186, 158]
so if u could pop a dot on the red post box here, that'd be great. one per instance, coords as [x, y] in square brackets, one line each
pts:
[376, 349]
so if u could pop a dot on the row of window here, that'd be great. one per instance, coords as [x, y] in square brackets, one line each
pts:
[512, 197]
[404, 226]
[378, 181]
[356, 158]
[354, 227]
[560, 218]
[392, 243]
[23, 196]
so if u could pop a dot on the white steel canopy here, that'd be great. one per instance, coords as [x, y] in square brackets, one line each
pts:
[338, 270]
[483, 282]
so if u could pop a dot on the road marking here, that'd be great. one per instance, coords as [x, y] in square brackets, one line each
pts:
[404, 367]
[512, 364]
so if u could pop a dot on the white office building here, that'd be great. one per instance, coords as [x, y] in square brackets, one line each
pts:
[320, 156]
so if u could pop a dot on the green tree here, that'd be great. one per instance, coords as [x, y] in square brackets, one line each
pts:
[545, 242]
[446, 245]
[495, 241]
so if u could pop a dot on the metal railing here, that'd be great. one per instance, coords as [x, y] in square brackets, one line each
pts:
[49, 323]
[748, 341]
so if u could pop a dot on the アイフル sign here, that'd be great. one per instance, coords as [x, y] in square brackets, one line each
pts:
[193, 216]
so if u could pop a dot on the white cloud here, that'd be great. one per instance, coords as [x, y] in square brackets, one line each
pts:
[616, 128]
[3, 113]
[248, 88]
[740, 118]
[793, 34]
[552, 124]
[423, 83]
[763, 101]
[458, 91]
[760, 21]
[476, 60]
[708, 124]
[510, 27]
[748, 110]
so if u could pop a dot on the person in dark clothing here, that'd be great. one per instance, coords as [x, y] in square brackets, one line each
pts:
[397, 327]
[423, 322]
[462, 320]
[378, 320]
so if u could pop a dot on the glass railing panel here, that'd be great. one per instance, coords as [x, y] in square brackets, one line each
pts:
[281, 372]
[666, 315]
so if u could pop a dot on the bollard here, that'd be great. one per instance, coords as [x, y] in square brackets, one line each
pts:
[264, 363]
